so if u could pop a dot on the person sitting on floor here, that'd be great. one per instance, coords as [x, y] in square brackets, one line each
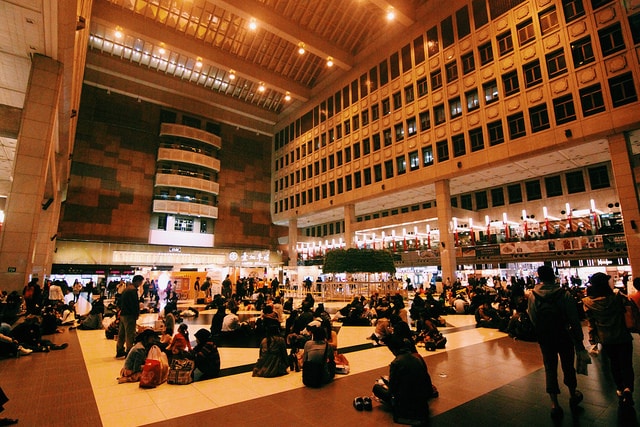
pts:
[180, 342]
[273, 360]
[206, 357]
[318, 366]
[137, 356]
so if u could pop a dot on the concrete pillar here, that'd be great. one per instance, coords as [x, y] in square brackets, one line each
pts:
[28, 236]
[349, 220]
[626, 172]
[293, 242]
[447, 241]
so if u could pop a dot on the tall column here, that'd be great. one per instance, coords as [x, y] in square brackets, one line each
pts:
[447, 241]
[626, 172]
[349, 220]
[293, 242]
[27, 238]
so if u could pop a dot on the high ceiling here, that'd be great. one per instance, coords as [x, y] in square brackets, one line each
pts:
[184, 52]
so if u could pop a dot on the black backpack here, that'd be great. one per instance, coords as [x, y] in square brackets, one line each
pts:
[313, 372]
[550, 317]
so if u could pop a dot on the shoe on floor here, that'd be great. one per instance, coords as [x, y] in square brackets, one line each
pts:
[121, 354]
[556, 412]
[24, 351]
[358, 403]
[576, 399]
[367, 404]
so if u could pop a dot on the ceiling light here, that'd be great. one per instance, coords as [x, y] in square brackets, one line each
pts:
[391, 15]
[253, 24]
[161, 50]
[232, 75]
[199, 62]
[329, 62]
[118, 33]
[287, 96]
[301, 48]
[261, 88]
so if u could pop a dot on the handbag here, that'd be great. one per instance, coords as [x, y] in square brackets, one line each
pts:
[180, 371]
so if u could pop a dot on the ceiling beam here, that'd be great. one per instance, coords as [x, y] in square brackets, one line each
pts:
[108, 72]
[287, 30]
[156, 33]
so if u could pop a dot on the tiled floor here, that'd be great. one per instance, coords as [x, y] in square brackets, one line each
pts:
[484, 378]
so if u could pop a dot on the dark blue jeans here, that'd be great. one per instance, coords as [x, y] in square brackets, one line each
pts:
[552, 349]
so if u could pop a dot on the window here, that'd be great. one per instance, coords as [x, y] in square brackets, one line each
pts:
[510, 83]
[468, 63]
[356, 150]
[323, 162]
[439, 115]
[373, 79]
[482, 201]
[455, 107]
[599, 177]
[375, 112]
[183, 224]
[591, 100]
[486, 53]
[332, 135]
[377, 172]
[339, 158]
[454, 202]
[386, 106]
[357, 179]
[516, 126]
[397, 100]
[388, 169]
[399, 130]
[573, 9]
[348, 183]
[401, 165]
[622, 90]
[386, 135]
[564, 109]
[332, 161]
[476, 139]
[365, 117]
[376, 141]
[553, 186]
[412, 129]
[597, 3]
[611, 40]
[548, 20]
[465, 202]
[367, 176]
[505, 43]
[442, 148]
[452, 71]
[414, 160]
[425, 120]
[556, 63]
[408, 94]
[539, 117]
[582, 52]
[436, 80]
[366, 146]
[347, 154]
[534, 191]
[575, 182]
[473, 102]
[490, 90]
[532, 73]
[427, 155]
[496, 134]
[418, 49]
[422, 87]
[514, 191]
[634, 24]
[355, 122]
[459, 148]
[347, 127]
[525, 32]
[497, 197]
[338, 131]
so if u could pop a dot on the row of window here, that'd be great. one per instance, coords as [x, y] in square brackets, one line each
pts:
[413, 54]
[621, 88]
[574, 182]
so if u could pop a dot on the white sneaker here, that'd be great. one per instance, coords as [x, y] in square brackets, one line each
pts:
[24, 351]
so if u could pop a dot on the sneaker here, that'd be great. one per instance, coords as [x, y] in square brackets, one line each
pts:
[24, 351]
[576, 399]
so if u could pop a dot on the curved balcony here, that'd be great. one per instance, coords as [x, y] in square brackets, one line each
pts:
[182, 156]
[182, 131]
[185, 208]
[181, 181]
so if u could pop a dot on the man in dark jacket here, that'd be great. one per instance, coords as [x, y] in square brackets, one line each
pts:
[129, 312]
[554, 314]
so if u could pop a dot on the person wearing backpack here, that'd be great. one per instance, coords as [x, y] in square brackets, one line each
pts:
[554, 314]
[605, 314]
[318, 364]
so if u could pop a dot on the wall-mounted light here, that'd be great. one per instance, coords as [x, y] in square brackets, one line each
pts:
[199, 62]
[118, 33]
[232, 75]
[287, 96]
[261, 87]
[301, 49]
[329, 62]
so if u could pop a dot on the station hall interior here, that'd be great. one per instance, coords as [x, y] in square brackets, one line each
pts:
[189, 138]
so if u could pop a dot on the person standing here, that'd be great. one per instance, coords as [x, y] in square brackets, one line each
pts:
[226, 287]
[554, 314]
[129, 312]
[605, 314]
